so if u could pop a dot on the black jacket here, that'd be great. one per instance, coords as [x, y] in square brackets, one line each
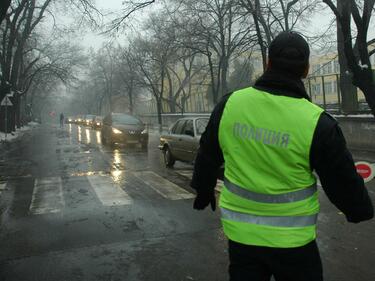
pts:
[329, 156]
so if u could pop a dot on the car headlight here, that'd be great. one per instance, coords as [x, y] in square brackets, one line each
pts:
[116, 131]
[98, 124]
[144, 131]
[70, 120]
[79, 119]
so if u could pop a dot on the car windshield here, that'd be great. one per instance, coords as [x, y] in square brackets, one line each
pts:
[125, 119]
[90, 116]
[201, 125]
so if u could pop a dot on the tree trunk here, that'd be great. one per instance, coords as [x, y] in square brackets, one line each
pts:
[159, 110]
[130, 94]
[171, 99]
[347, 89]
[224, 71]
[17, 111]
[213, 84]
[3, 9]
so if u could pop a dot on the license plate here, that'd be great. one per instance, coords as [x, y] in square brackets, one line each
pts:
[132, 141]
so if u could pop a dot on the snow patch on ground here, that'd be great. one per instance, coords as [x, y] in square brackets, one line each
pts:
[12, 136]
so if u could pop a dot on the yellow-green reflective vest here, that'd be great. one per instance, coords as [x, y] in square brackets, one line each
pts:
[269, 196]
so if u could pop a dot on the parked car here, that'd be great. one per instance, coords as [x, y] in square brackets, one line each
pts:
[119, 128]
[89, 119]
[97, 122]
[79, 119]
[182, 140]
[69, 120]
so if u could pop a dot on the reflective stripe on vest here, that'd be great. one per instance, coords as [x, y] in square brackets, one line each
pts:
[271, 198]
[286, 221]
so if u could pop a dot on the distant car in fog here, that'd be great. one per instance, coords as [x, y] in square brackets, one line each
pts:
[97, 122]
[70, 120]
[182, 140]
[88, 119]
[79, 119]
[119, 128]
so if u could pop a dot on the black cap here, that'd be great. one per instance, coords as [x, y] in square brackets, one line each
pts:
[289, 52]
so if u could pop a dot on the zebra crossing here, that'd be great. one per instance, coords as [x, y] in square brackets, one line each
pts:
[108, 193]
[162, 186]
[49, 193]
[47, 196]
[189, 174]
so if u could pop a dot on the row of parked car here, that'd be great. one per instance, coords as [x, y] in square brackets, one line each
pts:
[116, 128]
[94, 121]
[181, 142]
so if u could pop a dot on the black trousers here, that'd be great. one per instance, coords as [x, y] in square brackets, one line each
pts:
[254, 263]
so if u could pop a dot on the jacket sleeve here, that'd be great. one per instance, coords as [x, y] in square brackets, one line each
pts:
[209, 156]
[335, 167]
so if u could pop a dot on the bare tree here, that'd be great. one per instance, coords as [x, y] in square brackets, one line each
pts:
[127, 70]
[151, 56]
[16, 56]
[219, 31]
[356, 50]
[129, 8]
[273, 16]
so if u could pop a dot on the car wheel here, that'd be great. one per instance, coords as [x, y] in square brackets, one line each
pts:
[102, 139]
[168, 158]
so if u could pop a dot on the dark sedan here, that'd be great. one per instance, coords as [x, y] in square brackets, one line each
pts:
[182, 141]
[119, 128]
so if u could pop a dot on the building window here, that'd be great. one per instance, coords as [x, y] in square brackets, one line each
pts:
[334, 83]
[328, 88]
[327, 68]
[316, 69]
[315, 88]
[336, 66]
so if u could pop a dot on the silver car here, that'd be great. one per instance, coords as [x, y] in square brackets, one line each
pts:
[182, 140]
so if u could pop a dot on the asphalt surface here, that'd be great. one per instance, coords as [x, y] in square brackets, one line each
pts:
[73, 209]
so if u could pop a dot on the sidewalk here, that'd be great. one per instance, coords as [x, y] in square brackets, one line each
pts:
[19, 132]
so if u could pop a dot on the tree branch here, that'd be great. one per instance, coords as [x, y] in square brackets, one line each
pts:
[334, 9]
[134, 7]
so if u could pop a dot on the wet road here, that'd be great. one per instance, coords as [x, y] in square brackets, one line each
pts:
[73, 209]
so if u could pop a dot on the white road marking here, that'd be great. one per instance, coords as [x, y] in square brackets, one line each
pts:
[162, 186]
[109, 193]
[47, 196]
[189, 174]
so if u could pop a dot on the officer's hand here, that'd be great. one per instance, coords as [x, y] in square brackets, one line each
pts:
[203, 199]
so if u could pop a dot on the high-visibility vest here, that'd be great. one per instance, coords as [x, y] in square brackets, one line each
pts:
[269, 196]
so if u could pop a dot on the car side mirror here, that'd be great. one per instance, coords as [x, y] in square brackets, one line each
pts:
[189, 133]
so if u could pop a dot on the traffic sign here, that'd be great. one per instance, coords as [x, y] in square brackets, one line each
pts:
[365, 170]
[6, 101]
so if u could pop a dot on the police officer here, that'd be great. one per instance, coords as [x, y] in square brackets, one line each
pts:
[271, 138]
